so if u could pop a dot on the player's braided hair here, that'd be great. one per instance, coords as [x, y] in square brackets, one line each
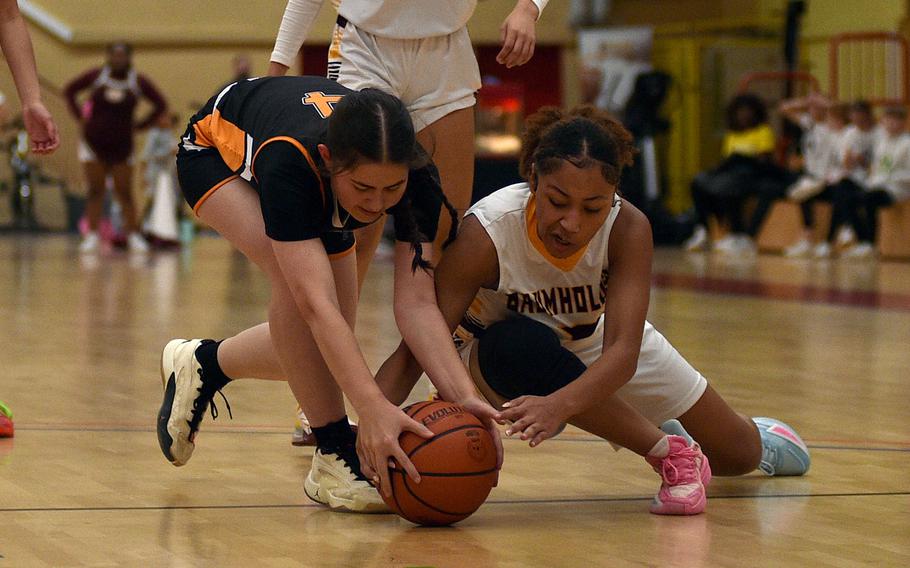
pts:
[584, 136]
[374, 126]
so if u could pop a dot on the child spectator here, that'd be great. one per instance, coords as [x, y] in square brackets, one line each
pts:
[888, 181]
[831, 170]
[818, 145]
[853, 156]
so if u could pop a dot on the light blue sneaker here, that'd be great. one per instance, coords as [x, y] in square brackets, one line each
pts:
[783, 451]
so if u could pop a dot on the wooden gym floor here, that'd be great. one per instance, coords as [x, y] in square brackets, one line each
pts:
[824, 346]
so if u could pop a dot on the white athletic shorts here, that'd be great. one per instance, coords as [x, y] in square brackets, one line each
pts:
[433, 76]
[664, 386]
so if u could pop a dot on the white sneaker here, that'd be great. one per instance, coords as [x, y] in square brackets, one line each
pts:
[801, 249]
[845, 236]
[332, 483]
[860, 251]
[698, 241]
[137, 243]
[822, 250]
[90, 243]
[186, 398]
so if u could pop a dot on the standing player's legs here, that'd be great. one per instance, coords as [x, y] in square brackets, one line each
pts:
[436, 78]
[451, 141]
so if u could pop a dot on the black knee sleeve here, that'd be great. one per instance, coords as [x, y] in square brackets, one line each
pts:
[520, 356]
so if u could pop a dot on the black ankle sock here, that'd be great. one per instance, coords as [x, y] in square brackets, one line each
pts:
[207, 355]
[334, 436]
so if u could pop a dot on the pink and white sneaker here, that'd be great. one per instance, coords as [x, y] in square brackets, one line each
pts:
[684, 472]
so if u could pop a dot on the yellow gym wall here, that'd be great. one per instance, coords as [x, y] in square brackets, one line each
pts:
[186, 48]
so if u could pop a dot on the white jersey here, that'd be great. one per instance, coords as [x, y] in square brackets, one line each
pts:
[567, 294]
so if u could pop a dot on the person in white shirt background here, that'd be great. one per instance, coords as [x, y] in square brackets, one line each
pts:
[810, 113]
[830, 171]
[423, 55]
[850, 168]
[888, 181]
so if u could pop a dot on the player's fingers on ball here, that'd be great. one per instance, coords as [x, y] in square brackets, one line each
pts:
[366, 464]
[416, 427]
[408, 465]
[385, 485]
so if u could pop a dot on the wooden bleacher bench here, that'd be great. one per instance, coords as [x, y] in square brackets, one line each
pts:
[782, 228]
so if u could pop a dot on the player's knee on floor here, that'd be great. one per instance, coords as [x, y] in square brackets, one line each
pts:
[520, 356]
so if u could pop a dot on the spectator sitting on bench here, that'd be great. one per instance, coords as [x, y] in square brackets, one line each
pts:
[888, 182]
[747, 151]
[807, 195]
[855, 154]
[818, 153]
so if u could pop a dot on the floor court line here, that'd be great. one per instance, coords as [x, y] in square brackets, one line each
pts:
[491, 502]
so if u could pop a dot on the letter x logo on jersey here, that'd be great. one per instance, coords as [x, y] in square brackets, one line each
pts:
[324, 103]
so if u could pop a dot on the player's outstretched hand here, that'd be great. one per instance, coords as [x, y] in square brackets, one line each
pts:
[536, 418]
[42, 131]
[490, 418]
[518, 35]
[377, 443]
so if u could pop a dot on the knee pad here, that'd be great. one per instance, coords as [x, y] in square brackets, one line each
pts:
[520, 356]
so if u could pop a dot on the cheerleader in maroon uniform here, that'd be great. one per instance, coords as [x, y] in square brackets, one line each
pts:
[106, 148]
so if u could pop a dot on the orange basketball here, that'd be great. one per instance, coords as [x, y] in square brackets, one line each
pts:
[457, 466]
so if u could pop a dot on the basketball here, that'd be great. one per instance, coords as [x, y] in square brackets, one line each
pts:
[457, 466]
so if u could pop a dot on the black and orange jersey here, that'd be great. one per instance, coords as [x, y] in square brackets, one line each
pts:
[266, 130]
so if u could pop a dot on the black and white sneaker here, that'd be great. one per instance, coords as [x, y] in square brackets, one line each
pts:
[186, 398]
